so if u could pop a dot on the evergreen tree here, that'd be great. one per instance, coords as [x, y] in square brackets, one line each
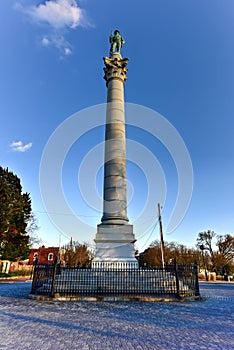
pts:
[15, 211]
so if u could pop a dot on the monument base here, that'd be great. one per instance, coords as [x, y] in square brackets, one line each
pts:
[115, 247]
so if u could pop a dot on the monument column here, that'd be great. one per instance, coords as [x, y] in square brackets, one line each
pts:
[115, 197]
[115, 239]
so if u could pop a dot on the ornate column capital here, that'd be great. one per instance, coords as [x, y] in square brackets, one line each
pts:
[115, 67]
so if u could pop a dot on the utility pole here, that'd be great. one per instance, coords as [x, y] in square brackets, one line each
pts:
[161, 235]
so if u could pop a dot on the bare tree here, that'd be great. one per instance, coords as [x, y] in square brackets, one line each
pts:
[78, 255]
[226, 247]
[205, 240]
[32, 229]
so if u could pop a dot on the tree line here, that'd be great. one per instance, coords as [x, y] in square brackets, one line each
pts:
[212, 252]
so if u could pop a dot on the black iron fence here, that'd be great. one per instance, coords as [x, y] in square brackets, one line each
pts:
[177, 281]
[43, 275]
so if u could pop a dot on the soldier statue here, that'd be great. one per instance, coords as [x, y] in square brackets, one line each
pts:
[116, 42]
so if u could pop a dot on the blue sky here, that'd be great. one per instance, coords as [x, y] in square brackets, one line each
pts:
[181, 65]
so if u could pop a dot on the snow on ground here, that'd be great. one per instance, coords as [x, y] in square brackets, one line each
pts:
[27, 324]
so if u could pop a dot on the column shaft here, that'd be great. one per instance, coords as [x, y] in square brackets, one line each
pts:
[115, 196]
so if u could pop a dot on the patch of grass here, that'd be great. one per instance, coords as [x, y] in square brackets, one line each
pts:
[15, 273]
[3, 274]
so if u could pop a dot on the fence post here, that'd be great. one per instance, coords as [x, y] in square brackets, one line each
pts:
[197, 292]
[53, 280]
[34, 277]
[177, 279]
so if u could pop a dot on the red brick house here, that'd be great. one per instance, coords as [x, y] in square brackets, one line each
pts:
[44, 255]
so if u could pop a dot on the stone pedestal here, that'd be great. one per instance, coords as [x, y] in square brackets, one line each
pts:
[115, 239]
[115, 247]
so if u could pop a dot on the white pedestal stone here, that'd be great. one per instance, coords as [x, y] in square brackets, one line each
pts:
[115, 247]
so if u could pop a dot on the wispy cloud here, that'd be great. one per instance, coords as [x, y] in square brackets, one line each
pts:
[46, 41]
[18, 146]
[59, 42]
[59, 16]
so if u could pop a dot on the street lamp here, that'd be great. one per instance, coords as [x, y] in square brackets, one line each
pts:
[202, 247]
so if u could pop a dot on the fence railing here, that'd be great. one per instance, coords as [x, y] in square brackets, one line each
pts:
[52, 280]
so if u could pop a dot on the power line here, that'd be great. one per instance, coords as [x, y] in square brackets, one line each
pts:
[150, 234]
[83, 215]
[65, 214]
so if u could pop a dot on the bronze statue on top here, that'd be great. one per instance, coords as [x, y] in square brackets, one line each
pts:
[116, 42]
